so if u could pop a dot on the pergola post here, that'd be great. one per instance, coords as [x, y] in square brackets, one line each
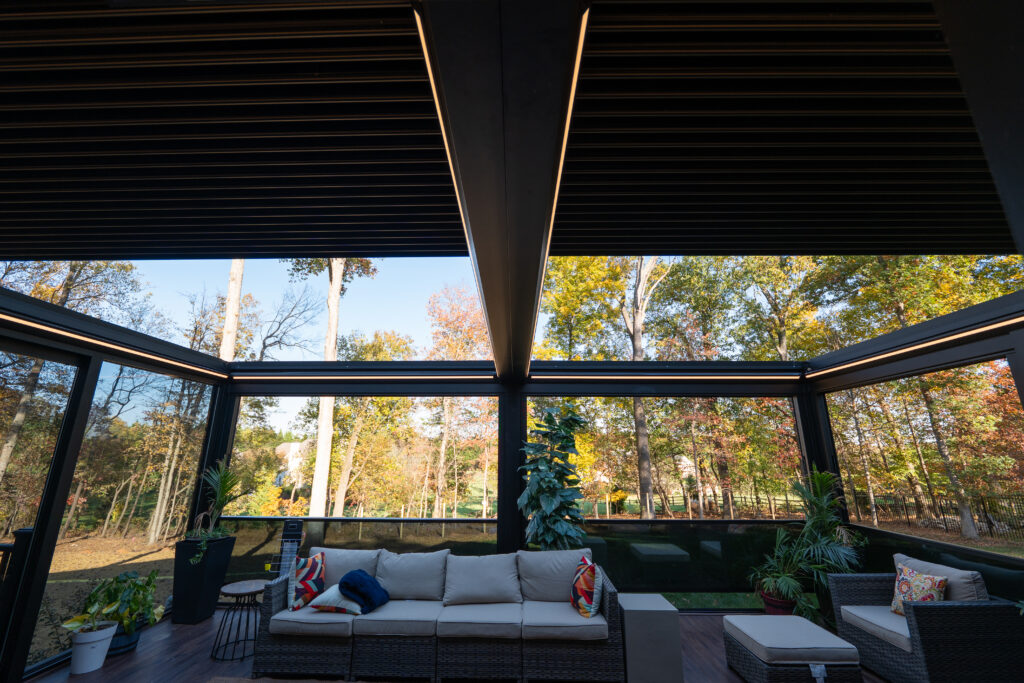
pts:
[814, 433]
[220, 435]
[511, 435]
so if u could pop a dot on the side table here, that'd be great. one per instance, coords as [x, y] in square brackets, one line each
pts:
[651, 627]
[234, 639]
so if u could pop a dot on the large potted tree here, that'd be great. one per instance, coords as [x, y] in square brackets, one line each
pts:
[201, 559]
[552, 485]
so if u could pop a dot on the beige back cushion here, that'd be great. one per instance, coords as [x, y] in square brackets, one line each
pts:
[340, 561]
[547, 574]
[477, 580]
[961, 584]
[412, 576]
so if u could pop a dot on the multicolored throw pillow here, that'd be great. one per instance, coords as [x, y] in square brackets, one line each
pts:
[916, 587]
[587, 584]
[309, 580]
[331, 600]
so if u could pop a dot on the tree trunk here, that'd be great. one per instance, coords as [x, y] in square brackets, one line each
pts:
[643, 450]
[487, 465]
[865, 466]
[325, 419]
[441, 470]
[232, 306]
[113, 504]
[71, 512]
[968, 529]
[696, 471]
[920, 460]
[912, 480]
[345, 475]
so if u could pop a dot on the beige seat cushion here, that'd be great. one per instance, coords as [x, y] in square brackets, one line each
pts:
[544, 620]
[494, 620]
[881, 622]
[788, 640]
[546, 575]
[400, 618]
[412, 576]
[476, 580]
[961, 584]
[311, 622]
[341, 561]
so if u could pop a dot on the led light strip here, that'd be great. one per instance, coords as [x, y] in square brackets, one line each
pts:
[356, 378]
[662, 377]
[915, 347]
[108, 345]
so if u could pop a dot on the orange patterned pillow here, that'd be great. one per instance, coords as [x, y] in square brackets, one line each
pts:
[916, 587]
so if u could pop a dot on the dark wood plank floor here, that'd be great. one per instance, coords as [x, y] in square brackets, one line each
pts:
[169, 653]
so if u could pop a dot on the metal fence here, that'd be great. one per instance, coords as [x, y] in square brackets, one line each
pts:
[995, 516]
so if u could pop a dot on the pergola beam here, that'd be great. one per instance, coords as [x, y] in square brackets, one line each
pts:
[502, 73]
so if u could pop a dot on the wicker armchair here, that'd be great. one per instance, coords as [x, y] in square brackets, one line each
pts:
[581, 660]
[330, 657]
[949, 641]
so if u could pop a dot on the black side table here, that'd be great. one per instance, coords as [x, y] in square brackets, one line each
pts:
[234, 639]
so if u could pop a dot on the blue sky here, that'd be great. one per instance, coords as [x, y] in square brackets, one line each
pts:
[396, 299]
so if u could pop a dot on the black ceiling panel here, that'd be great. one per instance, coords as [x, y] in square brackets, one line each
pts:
[768, 127]
[292, 129]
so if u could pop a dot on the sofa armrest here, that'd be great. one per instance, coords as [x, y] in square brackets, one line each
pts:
[976, 640]
[860, 589]
[610, 608]
[275, 599]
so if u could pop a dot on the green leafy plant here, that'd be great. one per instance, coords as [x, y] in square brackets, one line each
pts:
[552, 485]
[803, 558]
[222, 486]
[129, 599]
[95, 607]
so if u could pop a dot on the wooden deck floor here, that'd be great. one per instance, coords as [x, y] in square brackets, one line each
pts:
[169, 653]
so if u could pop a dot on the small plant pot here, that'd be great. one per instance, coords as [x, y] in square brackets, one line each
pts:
[89, 648]
[122, 642]
[777, 606]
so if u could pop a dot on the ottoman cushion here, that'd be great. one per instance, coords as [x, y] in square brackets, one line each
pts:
[788, 640]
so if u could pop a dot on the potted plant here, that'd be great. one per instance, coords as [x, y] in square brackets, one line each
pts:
[552, 485]
[804, 557]
[201, 559]
[91, 636]
[133, 600]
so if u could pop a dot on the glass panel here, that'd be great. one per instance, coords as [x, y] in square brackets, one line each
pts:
[751, 307]
[937, 456]
[726, 458]
[130, 494]
[33, 398]
[386, 453]
[283, 315]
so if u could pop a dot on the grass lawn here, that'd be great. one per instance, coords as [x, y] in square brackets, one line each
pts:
[714, 600]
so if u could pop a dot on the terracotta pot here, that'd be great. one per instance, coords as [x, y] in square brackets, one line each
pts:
[777, 606]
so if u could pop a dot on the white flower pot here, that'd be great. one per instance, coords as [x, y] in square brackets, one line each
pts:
[89, 648]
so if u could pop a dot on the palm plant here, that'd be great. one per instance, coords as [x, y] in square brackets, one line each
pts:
[552, 485]
[222, 489]
[803, 558]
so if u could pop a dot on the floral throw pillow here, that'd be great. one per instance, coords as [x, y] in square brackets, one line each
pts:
[587, 584]
[916, 587]
[309, 580]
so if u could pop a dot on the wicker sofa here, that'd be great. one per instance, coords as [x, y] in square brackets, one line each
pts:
[490, 617]
[968, 636]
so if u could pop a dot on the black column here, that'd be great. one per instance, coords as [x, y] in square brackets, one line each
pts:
[511, 435]
[220, 434]
[814, 432]
[29, 595]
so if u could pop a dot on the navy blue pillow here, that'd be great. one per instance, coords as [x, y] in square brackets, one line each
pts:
[362, 588]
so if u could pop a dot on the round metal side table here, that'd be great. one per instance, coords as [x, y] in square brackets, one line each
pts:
[236, 635]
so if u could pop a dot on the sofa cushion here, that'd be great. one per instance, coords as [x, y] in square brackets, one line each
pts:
[788, 639]
[543, 620]
[586, 589]
[310, 622]
[307, 581]
[400, 618]
[493, 620]
[341, 561]
[331, 600]
[546, 575]
[476, 580]
[412, 576]
[961, 584]
[881, 622]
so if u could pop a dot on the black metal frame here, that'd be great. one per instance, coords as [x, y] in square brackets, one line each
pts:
[987, 331]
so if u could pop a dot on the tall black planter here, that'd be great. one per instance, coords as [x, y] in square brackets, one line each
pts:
[197, 586]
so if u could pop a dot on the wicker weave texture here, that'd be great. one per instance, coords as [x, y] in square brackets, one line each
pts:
[479, 658]
[753, 670]
[395, 656]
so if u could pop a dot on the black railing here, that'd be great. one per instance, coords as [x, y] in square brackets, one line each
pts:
[994, 516]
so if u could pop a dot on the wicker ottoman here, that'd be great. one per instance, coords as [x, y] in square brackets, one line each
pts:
[784, 649]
